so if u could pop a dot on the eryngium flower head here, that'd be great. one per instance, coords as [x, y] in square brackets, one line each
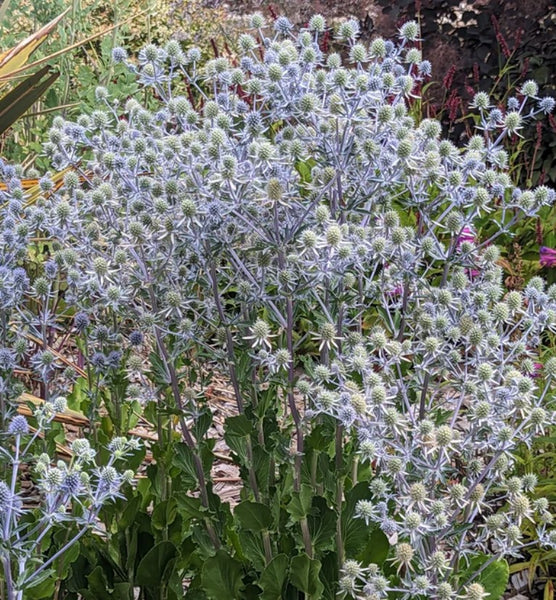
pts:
[283, 25]
[18, 426]
[82, 450]
[546, 105]
[5, 498]
[119, 55]
[409, 31]
[72, 483]
[136, 338]
[109, 480]
[7, 359]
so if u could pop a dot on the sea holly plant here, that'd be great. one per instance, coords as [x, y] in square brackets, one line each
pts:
[282, 219]
[72, 496]
[40, 534]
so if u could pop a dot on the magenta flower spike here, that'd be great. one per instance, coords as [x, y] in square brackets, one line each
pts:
[547, 257]
[466, 235]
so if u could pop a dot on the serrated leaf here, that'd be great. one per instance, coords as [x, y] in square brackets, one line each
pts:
[221, 576]
[300, 504]
[236, 431]
[322, 525]
[189, 507]
[273, 578]
[252, 549]
[184, 459]
[158, 371]
[355, 533]
[164, 514]
[202, 424]
[153, 568]
[304, 575]
[495, 579]
[253, 516]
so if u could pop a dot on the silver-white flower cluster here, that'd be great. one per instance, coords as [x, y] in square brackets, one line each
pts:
[303, 188]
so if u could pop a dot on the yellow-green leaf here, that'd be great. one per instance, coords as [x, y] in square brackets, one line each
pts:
[16, 57]
[22, 97]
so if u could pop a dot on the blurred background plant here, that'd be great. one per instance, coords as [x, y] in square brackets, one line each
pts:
[102, 24]
[493, 46]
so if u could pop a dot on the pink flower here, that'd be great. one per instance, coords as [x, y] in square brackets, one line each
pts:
[537, 370]
[466, 235]
[397, 291]
[548, 257]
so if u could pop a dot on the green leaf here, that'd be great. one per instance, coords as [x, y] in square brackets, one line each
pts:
[376, 549]
[184, 459]
[195, 594]
[252, 549]
[98, 585]
[164, 514]
[300, 504]
[494, 578]
[202, 424]
[158, 369]
[43, 586]
[154, 566]
[144, 487]
[63, 563]
[304, 575]
[273, 578]
[329, 575]
[189, 507]
[221, 576]
[266, 402]
[253, 516]
[122, 590]
[204, 546]
[322, 525]
[262, 461]
[304, 168]
[128, 515]
[132, 547]
[237, 429]
[321, 436]
[355, 533]
[239, 426]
